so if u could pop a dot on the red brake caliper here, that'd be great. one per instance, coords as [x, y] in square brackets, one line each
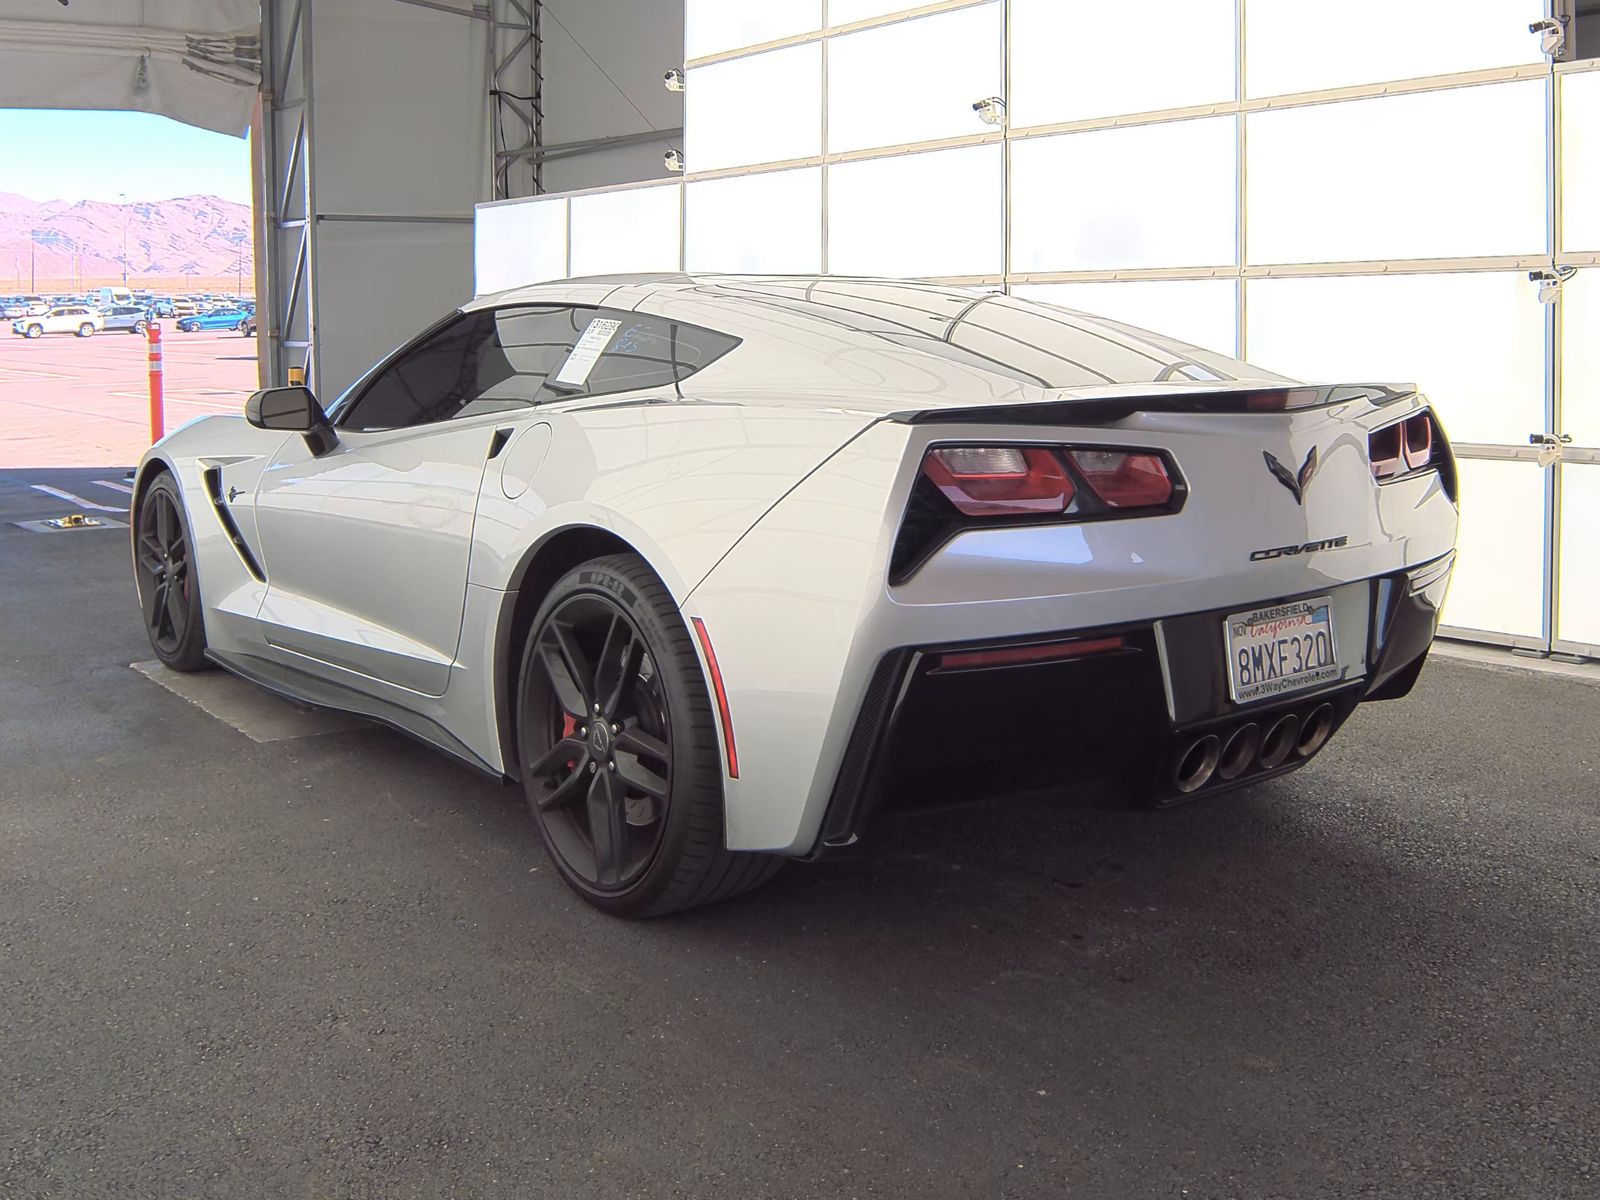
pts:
[569, 727]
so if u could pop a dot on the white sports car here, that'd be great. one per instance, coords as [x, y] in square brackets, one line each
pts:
[719, 568]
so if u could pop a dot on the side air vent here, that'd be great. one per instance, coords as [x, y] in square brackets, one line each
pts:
[213, 478]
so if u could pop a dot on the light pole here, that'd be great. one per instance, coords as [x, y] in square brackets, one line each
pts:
[33, 274]
[122, 197]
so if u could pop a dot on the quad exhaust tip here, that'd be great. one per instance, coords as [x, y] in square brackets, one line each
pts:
[1315, 731]
[1239, 751]
[1197, 763]
[1280, 742]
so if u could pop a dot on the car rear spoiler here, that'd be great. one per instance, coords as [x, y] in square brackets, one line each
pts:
[1107, 410]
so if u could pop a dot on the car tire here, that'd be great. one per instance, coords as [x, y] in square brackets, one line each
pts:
[244, 328]
[86, 330]
[163, 554]
[139, 327]
[35, 331]
[633, 820]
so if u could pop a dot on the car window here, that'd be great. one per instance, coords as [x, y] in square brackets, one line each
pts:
[432, 380]
[523, 355]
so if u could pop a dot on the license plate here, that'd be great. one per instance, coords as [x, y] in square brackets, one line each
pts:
[1281, 648]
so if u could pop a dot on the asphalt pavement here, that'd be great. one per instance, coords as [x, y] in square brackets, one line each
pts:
[339, 966]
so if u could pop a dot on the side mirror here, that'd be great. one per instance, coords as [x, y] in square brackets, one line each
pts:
[292, 410]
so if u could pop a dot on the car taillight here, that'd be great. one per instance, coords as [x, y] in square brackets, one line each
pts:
[1030, 481]
[1403, 448]
[1123, 478]
[999, 481]
[1417, 441]
[964, 487]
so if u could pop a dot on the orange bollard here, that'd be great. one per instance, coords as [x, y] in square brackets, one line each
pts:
[157, 412]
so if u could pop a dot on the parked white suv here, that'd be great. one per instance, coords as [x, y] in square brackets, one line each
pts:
[67, 318]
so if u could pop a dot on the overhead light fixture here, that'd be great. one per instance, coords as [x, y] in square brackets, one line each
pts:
[991, 110]
[673, 159]
[673, 79]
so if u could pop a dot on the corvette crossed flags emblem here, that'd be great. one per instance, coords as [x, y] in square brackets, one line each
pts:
[1296, 483]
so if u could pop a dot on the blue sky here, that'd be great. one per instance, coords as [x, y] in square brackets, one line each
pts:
[67, 155]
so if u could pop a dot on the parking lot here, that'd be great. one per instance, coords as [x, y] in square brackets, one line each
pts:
[67, 401]
[329, 963]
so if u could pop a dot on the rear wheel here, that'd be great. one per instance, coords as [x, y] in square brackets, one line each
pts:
[169, 591]
[622, 768]
[139, 327]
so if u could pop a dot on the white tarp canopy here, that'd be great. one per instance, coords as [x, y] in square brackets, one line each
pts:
[197, 61]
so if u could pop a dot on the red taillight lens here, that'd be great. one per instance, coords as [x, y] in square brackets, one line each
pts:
[994, 481]
[1124, 479]
[1403, 447]
[1417, 437]
[1383, 447]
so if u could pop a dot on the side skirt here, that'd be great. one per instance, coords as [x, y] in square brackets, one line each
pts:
[305, 688]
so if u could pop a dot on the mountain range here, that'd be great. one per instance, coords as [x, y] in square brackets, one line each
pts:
[204, 237]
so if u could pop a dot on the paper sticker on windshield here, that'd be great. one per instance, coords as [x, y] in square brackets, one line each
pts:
[575, 371]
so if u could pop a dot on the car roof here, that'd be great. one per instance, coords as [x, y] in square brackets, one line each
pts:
[815, 329]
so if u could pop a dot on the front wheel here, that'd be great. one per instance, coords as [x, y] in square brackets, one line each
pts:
[621, 764]
[169, 591]
[35, 331]
[86, 330]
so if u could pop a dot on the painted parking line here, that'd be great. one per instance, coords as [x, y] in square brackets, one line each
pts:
[20, 373]
[115, 487]
[255, 712]
[71, 499]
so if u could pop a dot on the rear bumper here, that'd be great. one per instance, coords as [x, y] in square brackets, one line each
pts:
[1119, 726]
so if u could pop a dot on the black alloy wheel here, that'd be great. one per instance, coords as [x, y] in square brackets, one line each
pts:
[603, 786]
[617, 738]
[169, 594]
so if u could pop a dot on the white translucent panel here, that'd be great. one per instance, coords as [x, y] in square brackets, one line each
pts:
[1073, 61]
[1500, 567]
[1580, 160]
[1202, 312]
[514, 244]
[636, 229]
[1580, 358]
[712, 26]
[1474, 343]
[845, 12]
[1499, 576]
[916, 214]
[913, 81]
[758, 224]
[1447, 174]
[1578, 619]
[1302, 46]
[1148, 196]
[765, 108]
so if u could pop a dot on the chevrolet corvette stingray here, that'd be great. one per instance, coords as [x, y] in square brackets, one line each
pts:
[717, 568]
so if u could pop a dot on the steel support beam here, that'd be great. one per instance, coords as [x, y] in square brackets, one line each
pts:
[286, 188]
[516, 98]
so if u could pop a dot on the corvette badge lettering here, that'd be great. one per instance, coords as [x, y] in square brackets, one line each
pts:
[1337, 543]
[1296, 483]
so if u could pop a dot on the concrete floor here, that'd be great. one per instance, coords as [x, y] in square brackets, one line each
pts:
[339, 966]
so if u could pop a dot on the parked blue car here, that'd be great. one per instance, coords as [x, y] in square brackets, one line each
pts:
[229, 318]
